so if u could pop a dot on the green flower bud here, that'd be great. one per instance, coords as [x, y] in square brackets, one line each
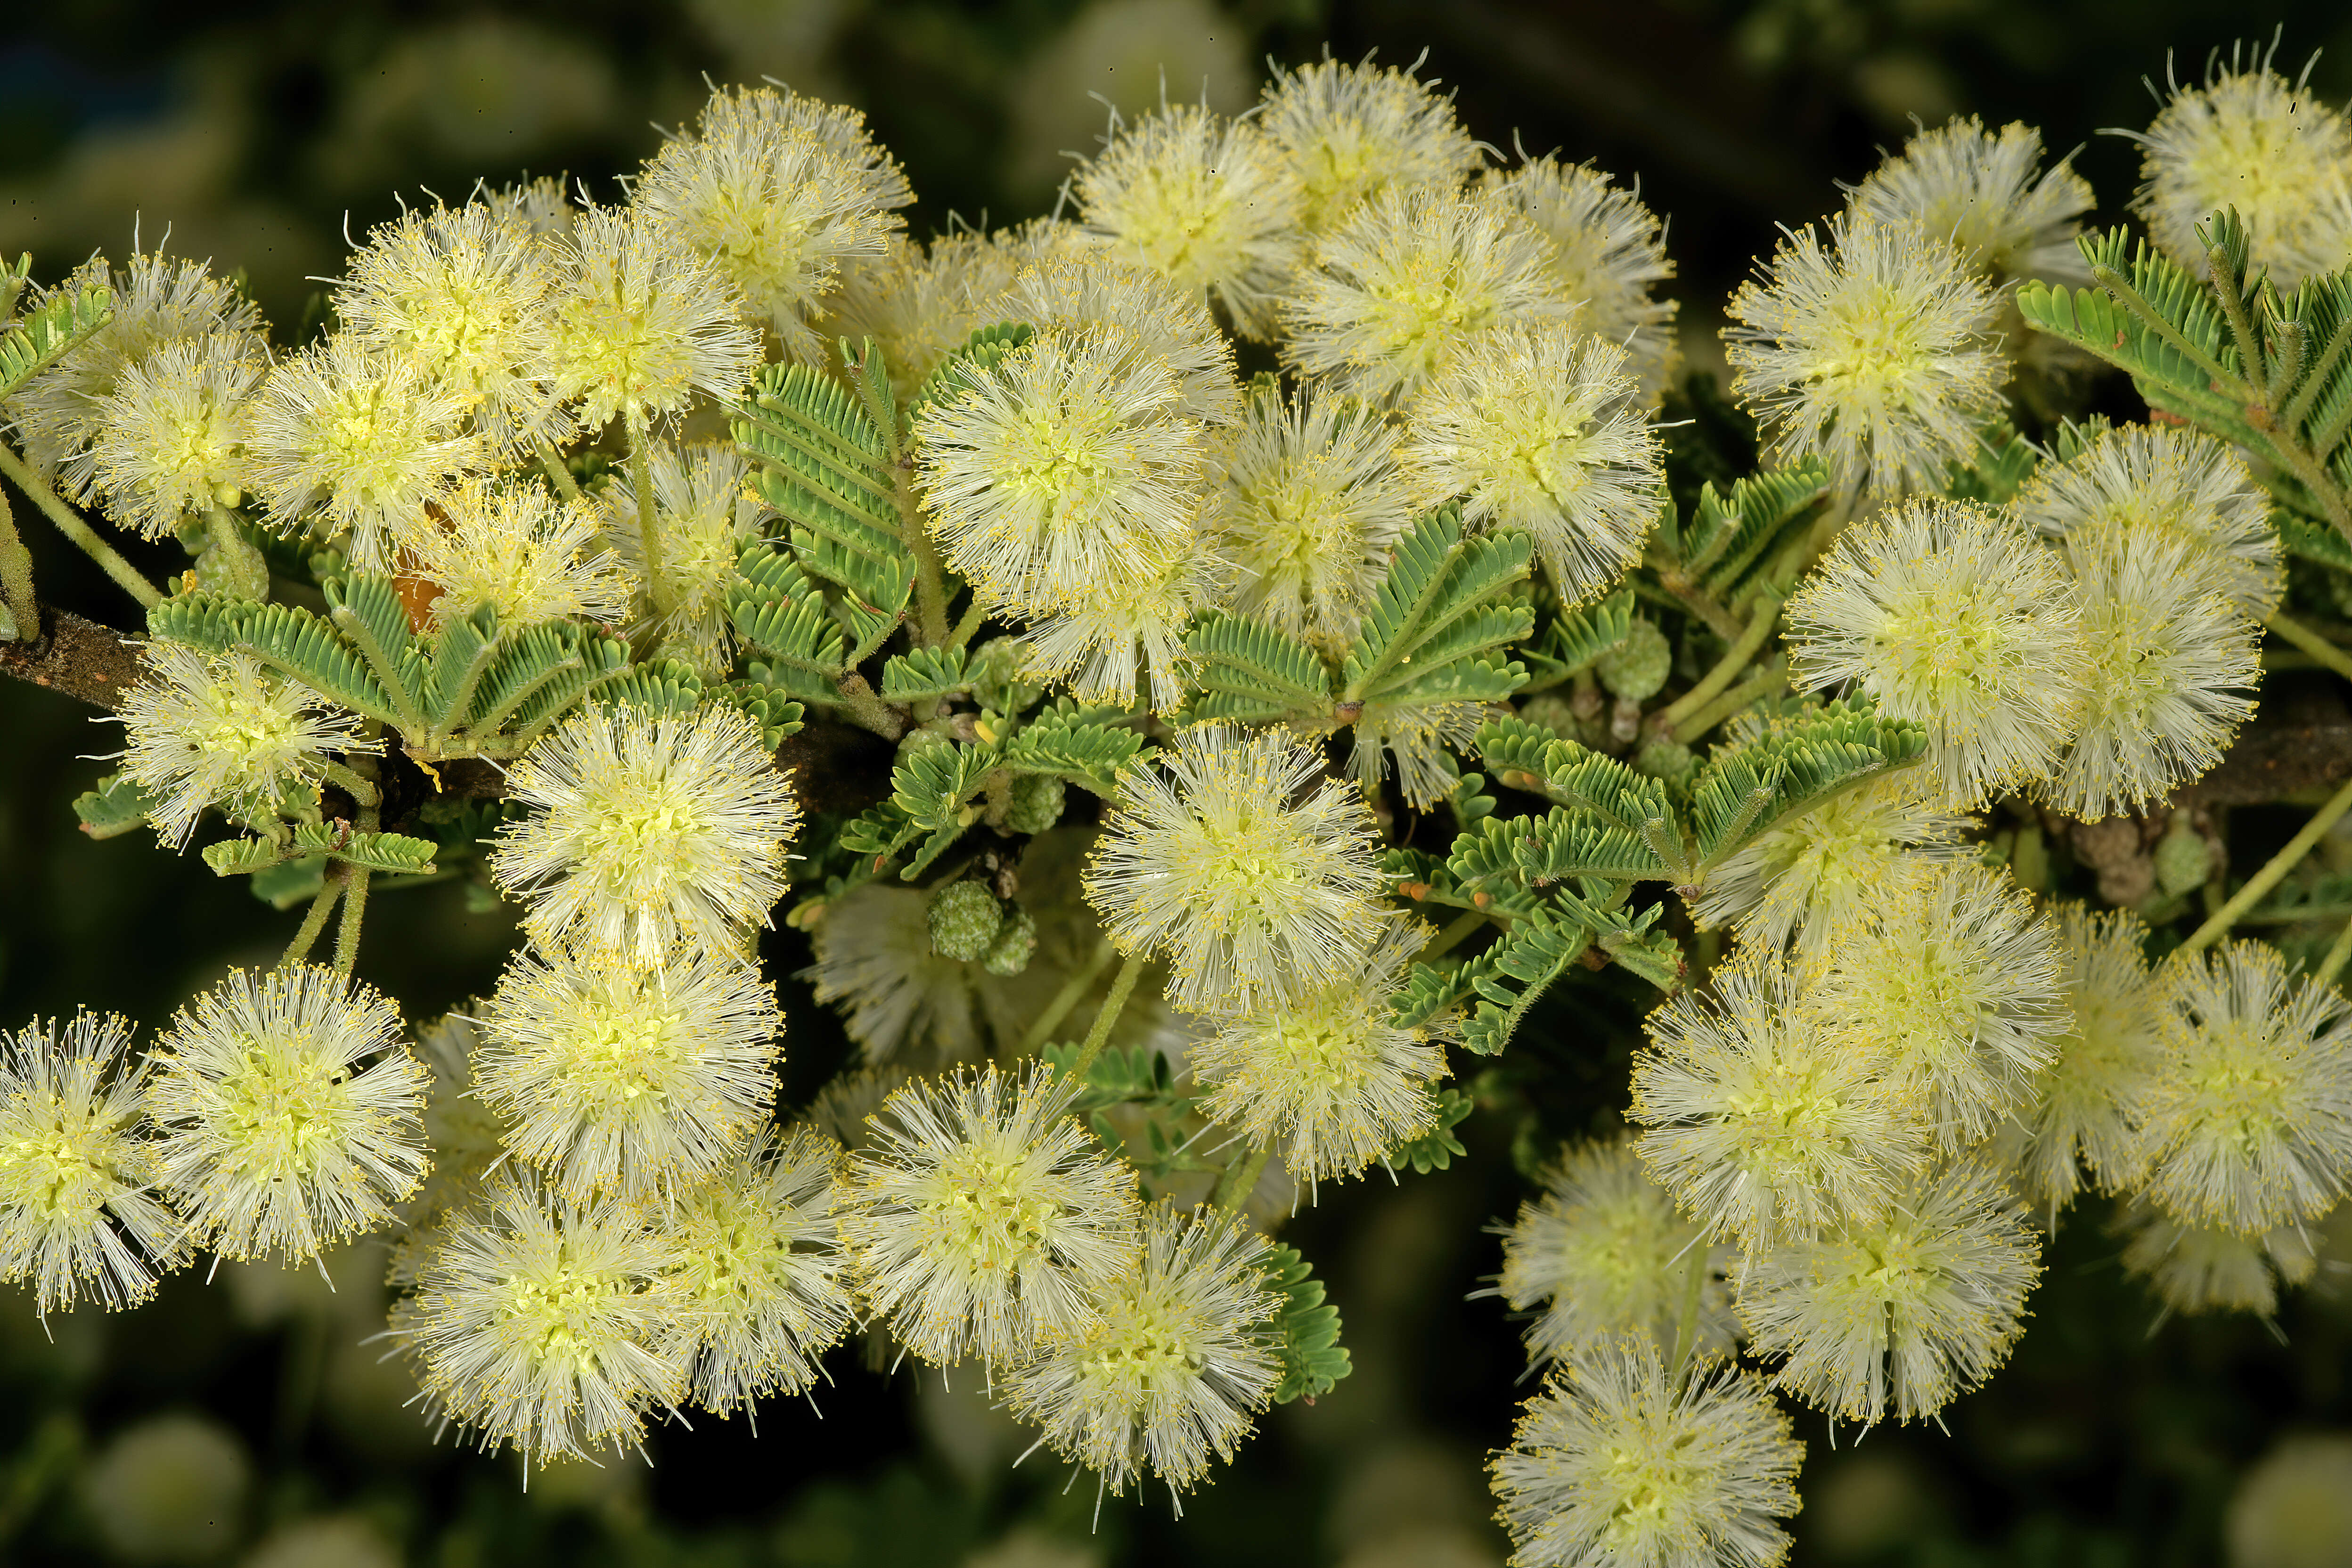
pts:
[1553, 713]
[1036, 804]
[964, 919]
[1637, 668]
[1008, 956]
[2184, 861]
[1664, 757]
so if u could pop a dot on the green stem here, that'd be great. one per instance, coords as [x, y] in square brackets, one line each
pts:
[559, 472]
[1239, 1179]
[16, 601]
[1737, 658]
[358, 785]
[641, 481]
[974, 614]
[314, 920]
[867, 711]
[2300, 914]
[2321, 651]
[2233, 308]
[1456, 931]
[346, 933]
[1122, 986]
[1065, 999]
[247, 575]
[1687, 1326]
[2124, 294]
[69, 523]
[1730, 702]
[2337, 956]
[2272, 872]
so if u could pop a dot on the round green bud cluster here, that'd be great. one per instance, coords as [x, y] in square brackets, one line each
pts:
[1008, 956]
[920, 738]
[1036, 804]
[1664, 757]
[2184, 860]
[1636, 668]
[1552, 711]
[964, 919]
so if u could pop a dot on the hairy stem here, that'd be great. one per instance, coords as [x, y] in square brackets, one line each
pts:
[2323, 652]
[2272, 872]
[16, 601]
[1065, 999]
[1730, 702]
[247, 575]
[558, 471]
[2338, 954]
[1122, 986]
[974, 614]
[1735, 658]
[641, 481]
[1239, 1179]
[1457, 931]
[1686, 1325]
[69, 523]
[314, 919]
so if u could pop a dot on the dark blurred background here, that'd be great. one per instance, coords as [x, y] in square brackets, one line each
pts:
[244, 1422]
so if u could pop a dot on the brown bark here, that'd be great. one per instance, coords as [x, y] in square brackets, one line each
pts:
[77, 656]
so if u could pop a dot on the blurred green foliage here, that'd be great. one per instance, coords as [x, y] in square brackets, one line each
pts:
[247, 1421]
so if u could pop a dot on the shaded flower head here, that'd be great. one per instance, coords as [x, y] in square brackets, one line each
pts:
[920, 302]
[1351, 131]
[1260, 893]
[778, 192]
[1209, 203]
[647, 830]
[1607, 250]
[1616, 1463]
[2197, 1268]
[709, 514]
[1536, 430]
[1868, 351]
[79, 1215]
[289, 1112]
[1125, 640]
[615, 1079]
[1173, 1364]
[203, 731]
[2080, 1116]
[980, 1218]
[1600, 1254]
[1978, 189]
[1133, 315]
[1950, 616]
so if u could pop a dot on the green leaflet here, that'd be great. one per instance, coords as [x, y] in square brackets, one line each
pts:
[1436, 607]
[1570, 640]
[1305, 1330]
[980, 353]
[116, 806]
[1086, 746]
[394, 854]
[2002, 462]
[779, 612]
[1731, 537]
[49, 331]
[924, 672]
[1257, 673]
[1436, 1149]
[930, 790]
[1746, 788]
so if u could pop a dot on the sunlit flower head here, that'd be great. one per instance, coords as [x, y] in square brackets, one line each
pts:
[2137, 480]
[615, 1079]
[540, 1325]
[1411, 280]
[1538, 429]
[1616, 1463]
[520, 551]
[466, 294]
[1330, 1078]
[80, 1215]
[778, 192]
[1176, 1360]
[2195, 1268]
[1066, 468]
[202, 731]
[1608, 250]
[1952, 616]
[643, 325]
[1869, 351]
[2246, 1117]
[1351, 131]
[647, 830]
[1260, 891]
[1765, 1123]
[758, 1271]
[1209, 203]
[1799, 880]
[169, 441]
[1306, 503]
[981, 1218]
[1987, 194]
[2248, 138]
[2169, 669]
[709, 513]
[346, 440]
[289, 1112]
[1074, 289]
[1897, 1315]
[1952, 978]
[2080, 1114]
[157, 301]
[1600, 1254]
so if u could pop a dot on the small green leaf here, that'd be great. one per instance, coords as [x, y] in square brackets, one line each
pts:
[1305, 1330]
[116, 806]
[1435, 1148]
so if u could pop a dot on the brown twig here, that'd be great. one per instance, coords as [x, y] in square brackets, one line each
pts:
[77, 656]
